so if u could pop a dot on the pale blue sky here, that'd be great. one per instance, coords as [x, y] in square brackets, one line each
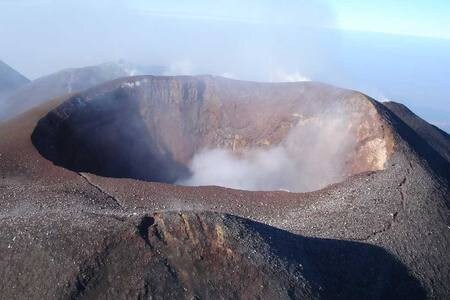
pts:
[411, 17]
[246, 39]
[408, 17]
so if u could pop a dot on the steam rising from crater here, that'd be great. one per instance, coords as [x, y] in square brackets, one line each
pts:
[313, 155]
[215, 131]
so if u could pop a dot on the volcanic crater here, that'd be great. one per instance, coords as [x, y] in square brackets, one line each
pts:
[380, 232]
[155, 128]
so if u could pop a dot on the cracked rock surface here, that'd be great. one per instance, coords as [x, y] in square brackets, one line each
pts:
[376, 234]
[188, 255]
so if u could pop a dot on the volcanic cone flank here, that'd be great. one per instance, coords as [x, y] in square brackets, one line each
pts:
[151, 128]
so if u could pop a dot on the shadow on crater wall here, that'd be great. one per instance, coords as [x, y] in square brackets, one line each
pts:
[154, 129]
[345, 269]
[105, 136]
[266, 263]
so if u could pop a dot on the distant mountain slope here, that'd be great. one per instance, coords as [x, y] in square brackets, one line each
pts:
[65, 82]
[10, 79]
[78, 224]
[438, 139]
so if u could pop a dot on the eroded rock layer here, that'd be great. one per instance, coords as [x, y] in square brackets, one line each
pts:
[68, 233]
[189, 255]
[150, 128]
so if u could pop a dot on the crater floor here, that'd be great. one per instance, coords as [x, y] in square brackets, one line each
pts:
[214, 131]
[74, 217]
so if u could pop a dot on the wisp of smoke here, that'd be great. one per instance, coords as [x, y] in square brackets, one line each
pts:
[250, 39]
[313, 155]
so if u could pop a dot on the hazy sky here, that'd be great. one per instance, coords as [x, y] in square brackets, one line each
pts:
[41, 36]
[266, 40]
[411, 17]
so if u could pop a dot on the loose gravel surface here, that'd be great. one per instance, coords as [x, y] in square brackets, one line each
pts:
[66, 234]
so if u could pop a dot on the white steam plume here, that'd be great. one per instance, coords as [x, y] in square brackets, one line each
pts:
[181, 67]
[313, 155]
[282, 76]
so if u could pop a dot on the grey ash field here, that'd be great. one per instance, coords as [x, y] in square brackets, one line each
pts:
[89, 208]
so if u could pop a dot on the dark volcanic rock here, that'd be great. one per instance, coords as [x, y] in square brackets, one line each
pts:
[188, 255]
[438, 139]
[149, 128]
[382, 231]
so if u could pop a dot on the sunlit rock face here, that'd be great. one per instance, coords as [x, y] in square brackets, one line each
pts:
[361, 238]
[214, 131]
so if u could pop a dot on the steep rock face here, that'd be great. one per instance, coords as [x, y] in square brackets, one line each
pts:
[189, 256]
[50, 212]
[439, 140]
[151, 127]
